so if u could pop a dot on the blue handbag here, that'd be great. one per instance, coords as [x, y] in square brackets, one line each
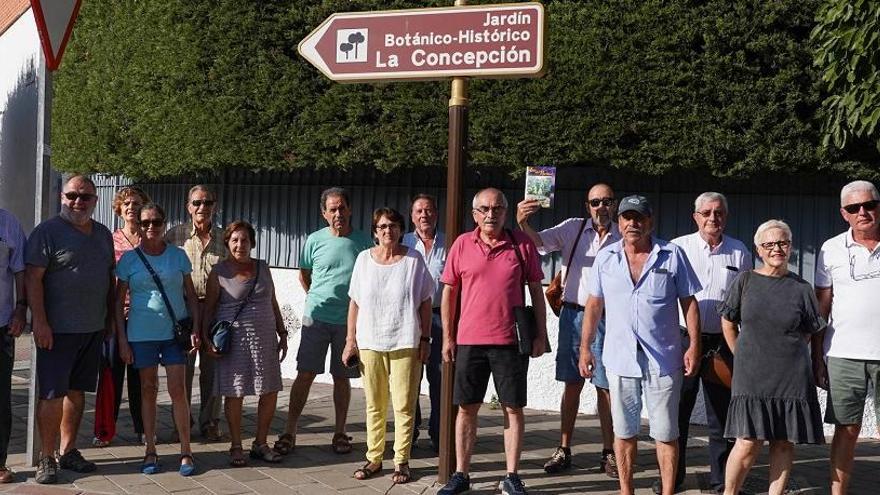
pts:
[221, 331]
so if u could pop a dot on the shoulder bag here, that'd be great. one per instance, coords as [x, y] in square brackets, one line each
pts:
[718, 368]
[554, 290]
[525, 324]
[182, 328]
[221, 331]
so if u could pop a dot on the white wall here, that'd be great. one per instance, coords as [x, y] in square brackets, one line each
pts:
[544, 390]
[19, 49]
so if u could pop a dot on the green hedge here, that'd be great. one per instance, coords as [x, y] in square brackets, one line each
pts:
[161, 88]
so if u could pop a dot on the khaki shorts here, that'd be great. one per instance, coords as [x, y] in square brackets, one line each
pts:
[850, 381]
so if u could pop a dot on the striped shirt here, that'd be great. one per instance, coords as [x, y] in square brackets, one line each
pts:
[202, 257]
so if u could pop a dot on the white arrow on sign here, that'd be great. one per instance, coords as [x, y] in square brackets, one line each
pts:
[55, 20]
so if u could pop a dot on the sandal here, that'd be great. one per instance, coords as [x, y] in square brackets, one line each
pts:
[284, 444]
[187, 469]
[341, 443]
[236, 453]
[262, 451]
[402, 475]
[150, 466]
[367, 471]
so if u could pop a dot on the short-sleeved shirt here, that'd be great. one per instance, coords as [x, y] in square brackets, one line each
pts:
[148, 317]
[12, 243]
[78, 267]
[853, 272]
[492, 284]
[562, 238]
[716, 268]
[435, 259]
[388, 299]
[645, 313]
[202, 257]
[331, 260]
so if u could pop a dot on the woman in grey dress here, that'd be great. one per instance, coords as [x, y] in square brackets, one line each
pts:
[258, 341]
[768, 318]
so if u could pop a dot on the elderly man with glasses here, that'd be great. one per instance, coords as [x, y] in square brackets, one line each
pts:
[203, 243]
[847, 283]
[70, 283]
[579, 241]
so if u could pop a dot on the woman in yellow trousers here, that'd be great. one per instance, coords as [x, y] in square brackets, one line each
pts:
[389, 328]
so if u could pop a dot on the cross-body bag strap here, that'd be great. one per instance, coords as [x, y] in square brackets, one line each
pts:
[250, 293]
[158, 284]
[571, 254]
[522, 264]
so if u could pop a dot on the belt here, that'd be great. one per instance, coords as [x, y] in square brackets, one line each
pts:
[571, 305]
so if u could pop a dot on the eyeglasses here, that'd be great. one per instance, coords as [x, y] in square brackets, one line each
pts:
[857, 207]
[484, 210]
[386, 226]
[85, 197]
[601, 201]
[780, 244]
[710, 213]
[154, 222]
[199, 202]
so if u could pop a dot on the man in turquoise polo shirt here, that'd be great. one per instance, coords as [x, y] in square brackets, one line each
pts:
[325, 272]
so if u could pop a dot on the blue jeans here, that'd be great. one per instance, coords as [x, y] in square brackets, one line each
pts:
[568, 350]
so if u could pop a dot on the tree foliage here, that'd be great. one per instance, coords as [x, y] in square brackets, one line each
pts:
[847, 41]
[178, 86]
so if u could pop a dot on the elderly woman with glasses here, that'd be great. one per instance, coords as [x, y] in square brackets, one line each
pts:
[389, 329]
[148, 338]
[768, 318]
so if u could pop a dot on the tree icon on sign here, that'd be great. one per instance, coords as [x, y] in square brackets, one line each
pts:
[355, 39]
[346, 47]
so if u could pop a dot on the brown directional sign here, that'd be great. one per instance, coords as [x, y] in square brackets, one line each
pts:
[470, 41]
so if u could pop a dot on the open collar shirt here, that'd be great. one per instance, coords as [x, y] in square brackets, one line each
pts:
[716, 269]
[435, 259]
[202, 257]
[642, 314]
[562, 238]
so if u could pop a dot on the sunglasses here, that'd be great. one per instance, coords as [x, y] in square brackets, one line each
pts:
[780, 244]
[155, 222]
[857, 207]
[601, 201]
[85, 197]
[386, 226]
[199, 202]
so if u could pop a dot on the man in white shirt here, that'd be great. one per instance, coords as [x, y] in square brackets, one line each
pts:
[583, 237]
[717, 259]
[847, 283]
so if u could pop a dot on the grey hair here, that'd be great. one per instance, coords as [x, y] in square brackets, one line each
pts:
[201, 187]
[858, 186]
[481, 191]
[710, 196]
[334, 191]
[771, 224]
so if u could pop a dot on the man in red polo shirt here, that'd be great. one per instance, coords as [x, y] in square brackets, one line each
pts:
[485, 275]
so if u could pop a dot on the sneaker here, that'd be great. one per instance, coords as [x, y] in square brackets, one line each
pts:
[458, 483]
[559, 461]
[74, 461]
[47, 471]
[609, 464]
[512, 485]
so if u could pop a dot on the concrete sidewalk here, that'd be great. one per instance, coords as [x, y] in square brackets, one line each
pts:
[313, 469]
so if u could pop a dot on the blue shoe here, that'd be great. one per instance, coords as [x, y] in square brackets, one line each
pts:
[458, 483]
[151, 464]
[512, 485]
[187, 469]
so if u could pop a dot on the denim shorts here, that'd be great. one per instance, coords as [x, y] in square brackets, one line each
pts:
[662, 397]
[567, 352]
[153, 352]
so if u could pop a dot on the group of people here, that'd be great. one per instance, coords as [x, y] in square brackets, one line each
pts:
[641, 318]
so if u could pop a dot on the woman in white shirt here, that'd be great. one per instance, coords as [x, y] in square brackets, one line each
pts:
[389, 328]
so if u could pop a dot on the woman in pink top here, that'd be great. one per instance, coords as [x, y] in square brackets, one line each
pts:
[127, 205]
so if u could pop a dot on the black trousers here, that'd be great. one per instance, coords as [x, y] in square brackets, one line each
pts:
[7, 360]
[717, 399]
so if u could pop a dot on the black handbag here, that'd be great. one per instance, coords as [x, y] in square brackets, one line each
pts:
[221, 331]
[183, 328]
[525, 323]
